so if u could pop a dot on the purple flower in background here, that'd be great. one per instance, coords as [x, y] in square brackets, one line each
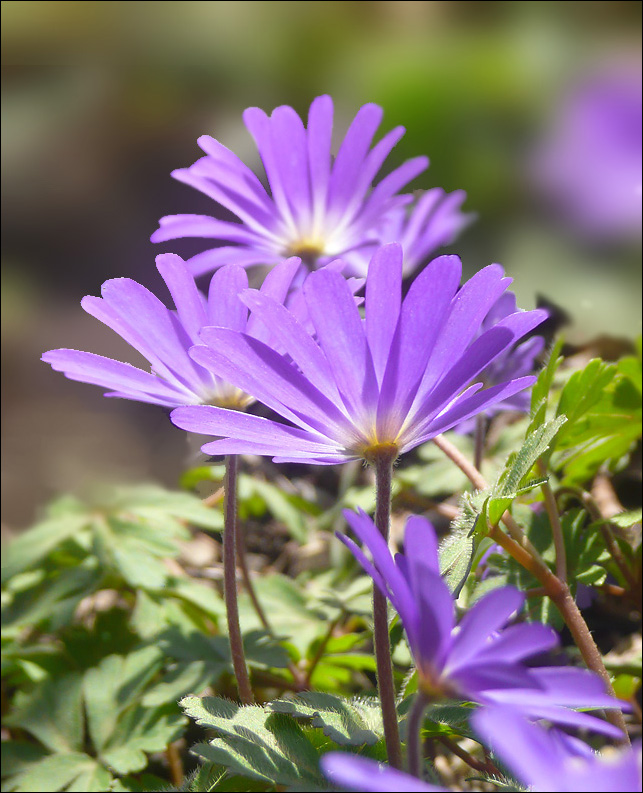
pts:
[591, 163]
[433, 221]
[547, 761]
[164, 337]
[386, 383]
[478, 659]
[349, 772]
[516, 361]
[317, 208]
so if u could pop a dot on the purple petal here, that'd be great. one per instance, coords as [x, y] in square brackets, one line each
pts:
[258, 370]
[482, 620]
[174, 227]
[383, 300]
[437, 613]
[130, 382]
[225, 309]
[320, 129]
[420, 322]
[210, 420]
[480, 682]
[351, 772]
[421, 542]
[289, 335]
[289, 146]
[518, 642]
[188, 300]
[576, 688]
[387, 188]
[206, 261]
[340, 333]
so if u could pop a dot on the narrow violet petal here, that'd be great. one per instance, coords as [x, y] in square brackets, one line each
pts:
[206, 261]
[246, 182]
[421, 317]
[519, 642]
[421, 542]
[576, 688]
[188, 300]
[276, 286]
[173, 227]
[259, 126]
[289, 336]
[465, 408]
[476, 681]
[482, 620]
[148, 325]
[469, 308]
[437, 613]
[210, 420]
[383, 301]
[225, 309]
[527, 750]
[351, 772]
[372, 572]
[320, 130]
[340, 333]
[289, 146]
[370, 536]
[350, 157]
[86, 367]
[255, 368]
[386, 189]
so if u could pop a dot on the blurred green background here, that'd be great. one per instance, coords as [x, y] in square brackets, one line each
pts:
[101, 100]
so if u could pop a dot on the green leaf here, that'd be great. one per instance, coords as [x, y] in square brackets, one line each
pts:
[52, 712]
[58, 771]
[626, 519]
[33, 545]
[511, 481]
[113, 686]
[346, 722]
[457, 550]
[269, 748]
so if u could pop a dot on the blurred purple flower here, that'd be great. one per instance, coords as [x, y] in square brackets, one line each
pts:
[164, 337]
[516, 361]
[591, 163]
[433, 221]
[349, 772]
[544, 760]
[476, 660]
[548, 761]
[317, 208]
[386, 383]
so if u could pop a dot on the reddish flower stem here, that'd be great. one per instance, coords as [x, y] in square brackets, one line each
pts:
[383, 477]
[230, 580]
[518, 546]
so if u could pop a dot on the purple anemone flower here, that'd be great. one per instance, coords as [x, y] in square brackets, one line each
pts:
[548, 761]
[350, 772]
[433, 221]
[590, 165]
[362, 387]
[516, 361]
[476, 659]
[317, 208]
[164, 336]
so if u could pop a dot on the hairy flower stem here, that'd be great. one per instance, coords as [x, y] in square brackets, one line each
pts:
[383, 475]
[230, 580]
[414, 723]
[556, 530]
[518, 546]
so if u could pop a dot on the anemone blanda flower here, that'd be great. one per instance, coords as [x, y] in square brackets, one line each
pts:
[476, 659]
[540, 759]
[164, 336]
[361, 388]
[589, 166]
[317, 208]
[516, 361]
[548, 761]
[433, 221]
